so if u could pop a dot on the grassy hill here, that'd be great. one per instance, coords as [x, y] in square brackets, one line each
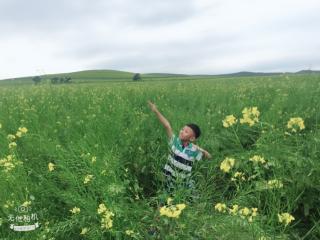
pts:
[92, 76]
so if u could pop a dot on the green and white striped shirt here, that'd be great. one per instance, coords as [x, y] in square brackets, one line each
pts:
[180, 159]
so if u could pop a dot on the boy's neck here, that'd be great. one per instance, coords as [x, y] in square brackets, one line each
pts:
[185, 143]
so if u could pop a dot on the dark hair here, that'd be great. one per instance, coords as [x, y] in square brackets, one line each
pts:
[195, 128]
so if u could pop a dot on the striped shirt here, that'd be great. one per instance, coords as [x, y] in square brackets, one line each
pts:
[180, 159]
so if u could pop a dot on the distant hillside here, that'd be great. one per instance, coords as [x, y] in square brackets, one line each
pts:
[113, 75]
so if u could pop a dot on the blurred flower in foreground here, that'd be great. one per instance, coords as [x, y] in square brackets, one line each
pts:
[296, 124]
[250, 116]
[285, 218]
[229, 121]
[172, 210]
[227, 164]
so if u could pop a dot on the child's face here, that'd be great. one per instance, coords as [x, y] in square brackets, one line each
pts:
[186, 134]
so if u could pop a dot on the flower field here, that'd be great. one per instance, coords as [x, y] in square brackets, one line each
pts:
[84, 161]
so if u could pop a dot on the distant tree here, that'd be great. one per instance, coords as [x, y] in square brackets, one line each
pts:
[67, 79]
[136, 77]
[36, 80]
[54, 80]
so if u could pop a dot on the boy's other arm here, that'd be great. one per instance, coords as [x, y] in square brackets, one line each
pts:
[161, 118]
[205, 153]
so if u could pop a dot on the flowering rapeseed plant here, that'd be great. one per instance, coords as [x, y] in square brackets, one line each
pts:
[295, 124]
[87, 178]
[250, 116]
[172, 210]
[51, 166]
[285, 218]
[220, 207]
[106, 216]
[274, 184]
[227, 164]
[229, 121]
[238, 175]
[75, 210]
[257, 159]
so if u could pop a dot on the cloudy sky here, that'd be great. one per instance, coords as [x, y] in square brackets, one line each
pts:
[176, 36]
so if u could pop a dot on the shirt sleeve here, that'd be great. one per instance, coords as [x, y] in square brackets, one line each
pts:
[199, 156]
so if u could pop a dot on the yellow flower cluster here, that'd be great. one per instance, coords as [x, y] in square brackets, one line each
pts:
[220, 207]
[87, 178]
[75, 210]
[84, 231]
[9, 163]
[106, 216]
[12, 145]
[129, 232]
[238, 176]
[296, 124]
[245, 212]
[21, 131]
[250, 116]
[257, 159]
[229, 121]
[172, 210]
[51, 166]
[227, 164]
[285, 218]
[274, 184]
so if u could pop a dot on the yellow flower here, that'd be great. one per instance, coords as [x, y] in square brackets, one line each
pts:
[238, 175]
[227, 164]
[244, 211]
[169, 200]
[23, 129]
[285, 218]
[51, 167]
[102, 208]
[19, 134]
[254, 212]
[257, 159]
[295, 124]
[93, 159]
[220, 207]
[11, 137]
[234, 209]
[274, 184]
[229, 121]
[84, 231]
[106, 216]
[87, 178]
[129, 232]
[172, 211]
[250, 116]
[75, 210]
[26, 204]
[12, 145]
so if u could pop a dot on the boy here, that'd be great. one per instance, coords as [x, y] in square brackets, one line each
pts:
[183, 153]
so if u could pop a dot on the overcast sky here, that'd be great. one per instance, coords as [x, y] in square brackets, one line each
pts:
[171, 36]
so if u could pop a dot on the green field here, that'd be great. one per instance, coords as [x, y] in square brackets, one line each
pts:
[96, 142]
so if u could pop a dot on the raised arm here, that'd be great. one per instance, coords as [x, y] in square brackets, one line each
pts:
[161, 118]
